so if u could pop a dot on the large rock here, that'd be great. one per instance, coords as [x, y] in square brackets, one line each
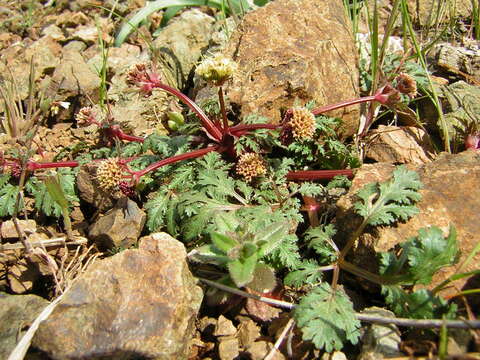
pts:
[137, 304]
[450, 196]
[17, 312]
[294, 50]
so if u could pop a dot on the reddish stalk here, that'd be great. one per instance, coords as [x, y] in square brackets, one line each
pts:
[211, 128]
[222, 108]
[136, 175]
[116, 131]
[242, 129]
[33, 165]
[318, 174]
[324, 109]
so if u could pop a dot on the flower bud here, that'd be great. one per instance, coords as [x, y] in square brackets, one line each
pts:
[250, 165]
[217, 69]
[109, 174]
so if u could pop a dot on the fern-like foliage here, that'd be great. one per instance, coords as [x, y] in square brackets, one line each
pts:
[8, 196]
[44, 201]
[421, 257]
[382, 204]
[327, 318]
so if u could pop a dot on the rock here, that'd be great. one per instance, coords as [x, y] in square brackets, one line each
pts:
[260, 349]
[450, 196]
[8, 230]
[22, 275]
[224, 327]
[380, 341]
[120, 227]
[259, 310]
[228, 348]
[54, 32]
[336, 355]
[181, 44]
[460, 60]
[75, 77]
[286, 54]
[421, 12]
[45, 53]
[248, 332]
[140, 303]
[399, 145]
[17, 312]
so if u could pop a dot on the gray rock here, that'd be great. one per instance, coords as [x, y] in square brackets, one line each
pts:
[181, 44]
[458, 59]
[380, 341]
[450, 196]
[286, 54]
[137, 304]
[75, 77]
[119, 227]
[17, 312]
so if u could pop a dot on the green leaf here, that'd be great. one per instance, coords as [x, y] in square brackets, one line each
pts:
[241, 270]
[421, 257]
[271, 237]
[382, 204]
[320, 240]
[8, 198]
[309, 272]
[223, 243]
[327, 319]
[421, 304]
[430, 252]
[209, 254]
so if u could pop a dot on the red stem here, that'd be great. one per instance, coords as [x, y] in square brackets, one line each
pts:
[318, 174]
[33, 165]
[115, 131]
[213, 130]
[242, 129]
[323, 109]
[190, 155]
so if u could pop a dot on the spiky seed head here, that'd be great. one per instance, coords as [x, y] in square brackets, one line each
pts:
[250, 165]
[85, 116]
[109, 174]
[302, 123]
[217, 69]
[406, 85]
[137, 73]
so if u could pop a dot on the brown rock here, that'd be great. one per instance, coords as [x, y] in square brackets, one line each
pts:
[224, 327]
[139, 303]
[248, 332]
[450, 196]
[119, 227]
[17, 312]
[260, 349]
[399, 145]
[228, 348]
[9, 231]
[22, 275]
[284, 53]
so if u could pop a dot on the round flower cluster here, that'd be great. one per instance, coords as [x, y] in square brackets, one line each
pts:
[85, 116]
[217, 69]
[302, 123]
[406, 85]
[250, 165]
[109, 174]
